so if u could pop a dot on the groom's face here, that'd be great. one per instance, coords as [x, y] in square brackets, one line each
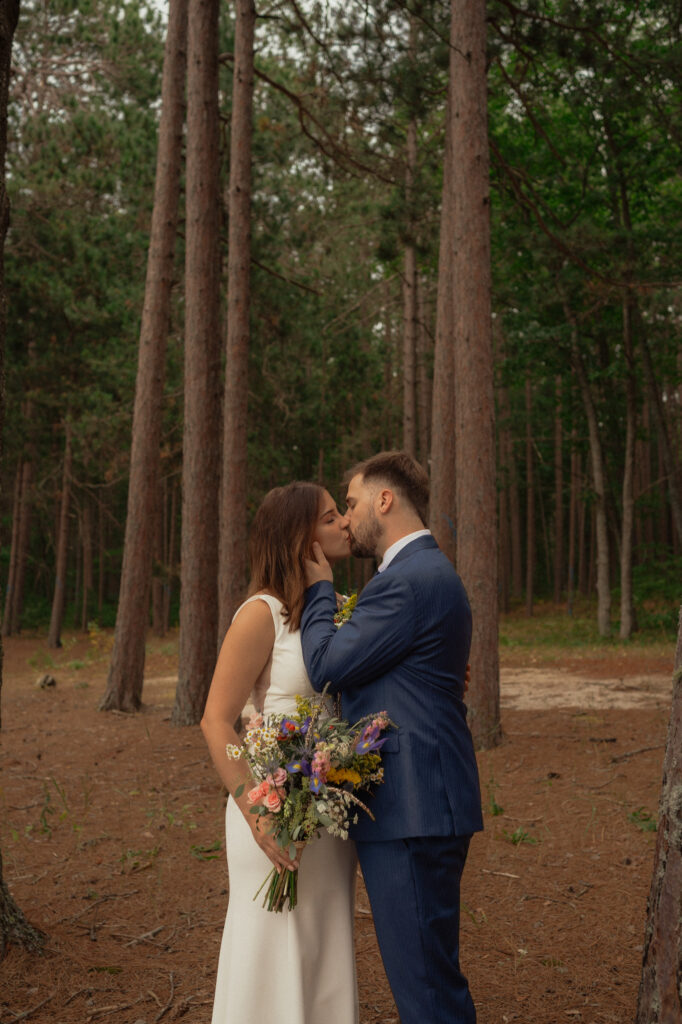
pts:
[363, 524]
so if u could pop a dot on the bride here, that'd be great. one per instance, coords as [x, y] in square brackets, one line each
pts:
[296, 967]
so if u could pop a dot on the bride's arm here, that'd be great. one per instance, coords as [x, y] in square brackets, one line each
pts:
[243, 656]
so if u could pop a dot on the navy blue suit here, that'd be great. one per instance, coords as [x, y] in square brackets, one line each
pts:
[405, 651]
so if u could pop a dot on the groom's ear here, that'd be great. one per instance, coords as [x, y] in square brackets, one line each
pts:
[384, 501]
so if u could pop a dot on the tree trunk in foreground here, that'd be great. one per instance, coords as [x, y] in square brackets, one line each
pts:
[201, 437]
[660, 990]
[473, 363]
[126, 671]
[13, 925]
[232, 579]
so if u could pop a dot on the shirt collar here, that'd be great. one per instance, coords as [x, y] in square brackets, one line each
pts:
[392, 551]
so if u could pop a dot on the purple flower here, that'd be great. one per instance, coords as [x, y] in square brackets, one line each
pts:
[305, 725]
[369, 740]
[301, 766]
[287, 728]
[315, 784]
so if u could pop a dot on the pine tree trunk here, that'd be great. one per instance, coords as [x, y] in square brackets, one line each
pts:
[558, 497]
[58, 601]
[572, 524]
[627, 621]
[530, 501]
[469, 240]
[14, 928]
[87, 562]
[23, 537]
[410, 352]
[13, 551]
[126, 670]
[660, 990]
[160, 569]
[423, 383]
[443, 470]
[201, 437]
[233, 540]
[599, 478]
[668, 455]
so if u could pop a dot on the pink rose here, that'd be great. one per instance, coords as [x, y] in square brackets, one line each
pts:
[280, 777]
[258, 792]
[272, 801]
[256, 721]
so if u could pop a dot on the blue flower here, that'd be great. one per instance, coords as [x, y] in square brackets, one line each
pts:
[301, 766]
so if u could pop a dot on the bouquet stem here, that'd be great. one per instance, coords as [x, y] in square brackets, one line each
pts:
[283, 888]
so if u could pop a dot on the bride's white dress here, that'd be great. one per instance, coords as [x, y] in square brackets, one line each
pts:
[295, 967]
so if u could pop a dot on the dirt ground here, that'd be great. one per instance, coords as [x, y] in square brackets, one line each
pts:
[112, 836]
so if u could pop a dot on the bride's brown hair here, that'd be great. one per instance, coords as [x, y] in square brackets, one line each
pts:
[281, 537]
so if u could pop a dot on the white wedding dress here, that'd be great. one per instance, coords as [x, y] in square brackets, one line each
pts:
[293, 967]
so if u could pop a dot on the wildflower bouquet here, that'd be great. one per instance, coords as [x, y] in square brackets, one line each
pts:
[307, 767]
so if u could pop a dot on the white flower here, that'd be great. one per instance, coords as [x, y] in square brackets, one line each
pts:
[233, 751]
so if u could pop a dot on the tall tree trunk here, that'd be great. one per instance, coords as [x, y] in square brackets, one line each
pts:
[443, 471]
[627, 621]
[599, 478]
[668, 455]
[660, 992]
[201, 438]
[469, 239]
[126, 670]
[410, 352]
[233, 560]
[572, 524]
[558, 497]
[58, 601]
[13, 925]
[23, 537]
[423, 383]
[160, 569]
[87, 561]
[530, 500]
[13, 551]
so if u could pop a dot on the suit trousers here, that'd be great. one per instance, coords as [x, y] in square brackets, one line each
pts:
[413, 887]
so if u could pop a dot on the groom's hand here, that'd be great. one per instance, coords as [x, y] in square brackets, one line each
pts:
[317, 568]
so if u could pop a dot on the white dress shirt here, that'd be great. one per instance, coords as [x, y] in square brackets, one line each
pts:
[390, 553]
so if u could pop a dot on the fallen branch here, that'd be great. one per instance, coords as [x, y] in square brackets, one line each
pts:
[633, 753]
[170, 1000]
[34, 1009]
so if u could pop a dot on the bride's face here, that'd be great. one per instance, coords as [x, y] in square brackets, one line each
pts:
[331, 531]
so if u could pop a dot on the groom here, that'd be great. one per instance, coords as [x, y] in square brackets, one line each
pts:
[405, 651]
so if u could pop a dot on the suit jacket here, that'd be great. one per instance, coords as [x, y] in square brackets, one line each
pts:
[405, 651]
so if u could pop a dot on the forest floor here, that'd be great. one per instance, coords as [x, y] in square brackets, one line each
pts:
[112, 835]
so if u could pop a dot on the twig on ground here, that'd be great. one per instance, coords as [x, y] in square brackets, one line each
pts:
[170, 1000]
[104, 1010]
[34, 1009]
[146, 937]
[503, 874]
[633, 753]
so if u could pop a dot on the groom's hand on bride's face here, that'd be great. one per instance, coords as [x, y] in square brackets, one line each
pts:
[317, 568]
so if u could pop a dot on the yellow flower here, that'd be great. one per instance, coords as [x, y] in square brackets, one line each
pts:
[344, 775]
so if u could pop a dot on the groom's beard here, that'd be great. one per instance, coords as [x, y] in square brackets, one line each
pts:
[364, 542]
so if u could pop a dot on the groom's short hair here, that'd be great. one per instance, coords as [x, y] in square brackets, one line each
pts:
[402, 473]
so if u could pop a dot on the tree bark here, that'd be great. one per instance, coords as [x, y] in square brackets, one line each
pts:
[469, 241]
[87, 561]
[13, 925]
[558, 496]
[233, 558]
[201, 438]
[59, 599]
[660, 990]
[627, 619]
[423, 382]
[410, 352]
[13, 551]
[443, 471]
[530, 500]
[668, 455]
[23, 537]
[599, 478]
[126, 670]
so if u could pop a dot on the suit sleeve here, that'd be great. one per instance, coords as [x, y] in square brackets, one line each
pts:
[376, 638]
